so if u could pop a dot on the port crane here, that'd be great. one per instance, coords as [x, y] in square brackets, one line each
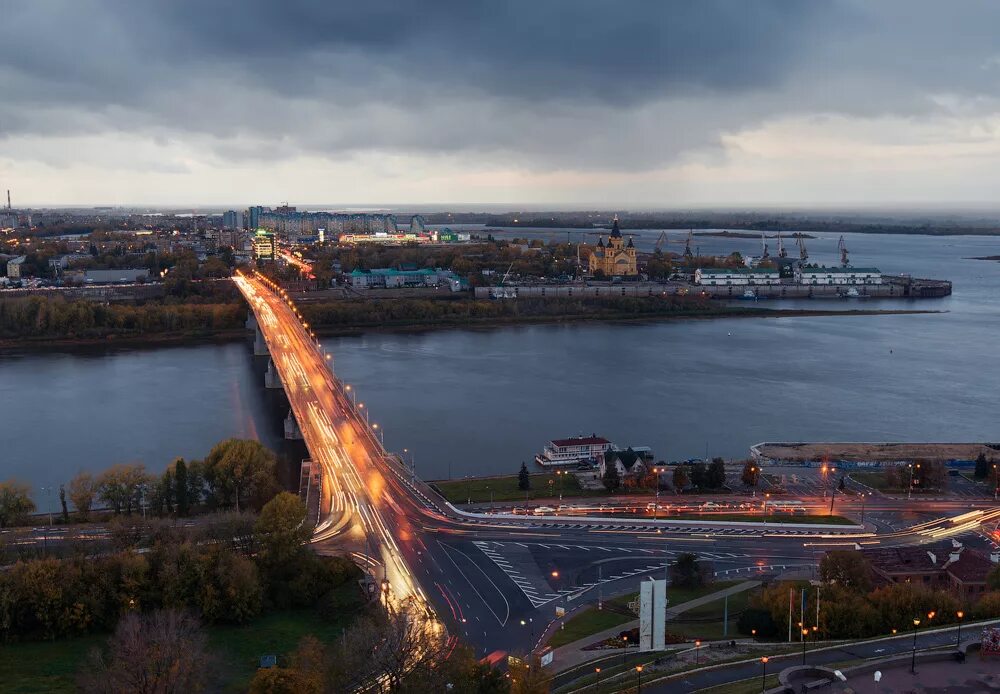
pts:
[842, 247]
[782, 251]
[763, 243]
[803, 253]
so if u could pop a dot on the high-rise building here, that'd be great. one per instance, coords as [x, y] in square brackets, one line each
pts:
[254, 214]
[232, 219]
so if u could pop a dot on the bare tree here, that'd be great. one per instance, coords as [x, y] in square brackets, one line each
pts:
[162, 652]
[380, 651]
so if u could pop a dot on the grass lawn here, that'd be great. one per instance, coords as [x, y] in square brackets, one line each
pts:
[44, 666]
[710, 630]
[750, 686]
[592, 620]
[585, 623]
[51, 666]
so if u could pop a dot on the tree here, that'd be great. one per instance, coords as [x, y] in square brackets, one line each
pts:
[163, 651]
[62, 502]
[381, 650]
[240, 473]
[15, 502]
[523, 478]
[847, 569]
[281, 529]
[611, 479]
[993, 578]
[688, 572]
[680, 478]
[716, 476]
[121, 486]
[699, 475]
[81, 492]
[751, 473]
[982, 466]
[181, 487]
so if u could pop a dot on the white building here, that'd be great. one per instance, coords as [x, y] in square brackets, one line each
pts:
[14, 267]
[735, 277]
[838, 275]
[573, 451]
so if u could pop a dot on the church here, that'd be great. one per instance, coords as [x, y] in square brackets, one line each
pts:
[616, 259]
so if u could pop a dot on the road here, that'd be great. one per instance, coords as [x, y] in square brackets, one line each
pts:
[495, 580]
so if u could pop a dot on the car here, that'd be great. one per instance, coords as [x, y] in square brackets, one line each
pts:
[542, 510]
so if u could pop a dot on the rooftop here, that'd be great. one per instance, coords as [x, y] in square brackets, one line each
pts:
[592, 440]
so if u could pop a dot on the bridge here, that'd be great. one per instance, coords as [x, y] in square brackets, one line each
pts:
[496, 579]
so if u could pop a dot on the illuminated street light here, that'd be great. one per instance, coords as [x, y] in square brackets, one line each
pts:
[763, 673]
[913, 660]
[958, 641]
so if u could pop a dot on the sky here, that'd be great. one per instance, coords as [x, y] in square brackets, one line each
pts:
[566, 103]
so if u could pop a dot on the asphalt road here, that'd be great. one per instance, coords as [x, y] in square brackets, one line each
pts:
[496, 582]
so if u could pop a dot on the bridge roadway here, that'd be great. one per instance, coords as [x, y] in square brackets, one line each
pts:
[493, 580]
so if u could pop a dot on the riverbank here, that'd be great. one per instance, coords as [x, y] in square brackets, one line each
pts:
[225, 335]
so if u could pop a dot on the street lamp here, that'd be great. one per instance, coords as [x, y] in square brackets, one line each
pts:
[913, 660]
[597, 670]
[697, 650]
[805, 633]
[638, 672]
[958, 641]
[624, 646]
[763, 673]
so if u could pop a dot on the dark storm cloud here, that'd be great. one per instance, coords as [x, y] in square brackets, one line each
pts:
[564, 81]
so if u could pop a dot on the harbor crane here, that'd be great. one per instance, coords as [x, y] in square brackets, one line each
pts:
[660, 240]
[842, 247]
[803, 253]
[687, 244]
[782, 251]
[763, 243]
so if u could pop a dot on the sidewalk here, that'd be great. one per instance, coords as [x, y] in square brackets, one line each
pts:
[573, 654]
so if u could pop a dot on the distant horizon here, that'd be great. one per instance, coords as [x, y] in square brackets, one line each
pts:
[847, 209]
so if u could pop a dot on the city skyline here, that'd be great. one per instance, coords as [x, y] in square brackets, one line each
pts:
[654, 106]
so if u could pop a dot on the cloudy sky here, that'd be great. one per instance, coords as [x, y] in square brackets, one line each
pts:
[665, 103]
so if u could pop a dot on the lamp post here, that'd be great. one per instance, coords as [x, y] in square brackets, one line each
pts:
[697, 650]
[805, 633]
[656, 503]
[909, 489]
[597, 670]
[638, 674]
[624, 646]
[763, 673]
[913, 660]
[996, 482]
[958, 641]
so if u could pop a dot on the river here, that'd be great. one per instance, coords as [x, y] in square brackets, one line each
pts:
[481, 401]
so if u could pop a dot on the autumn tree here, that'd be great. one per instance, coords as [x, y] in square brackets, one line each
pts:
[120, 487]
[158, 652]
[15, 502]
[181, 492]
[751, 474]
[82, 490]
[281, 529]
[240, 473]
[699, 475]
[847, 569]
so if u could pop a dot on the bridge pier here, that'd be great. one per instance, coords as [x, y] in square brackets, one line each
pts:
[271, 378]
[251, 323]
[292, 431]
[259, 344]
